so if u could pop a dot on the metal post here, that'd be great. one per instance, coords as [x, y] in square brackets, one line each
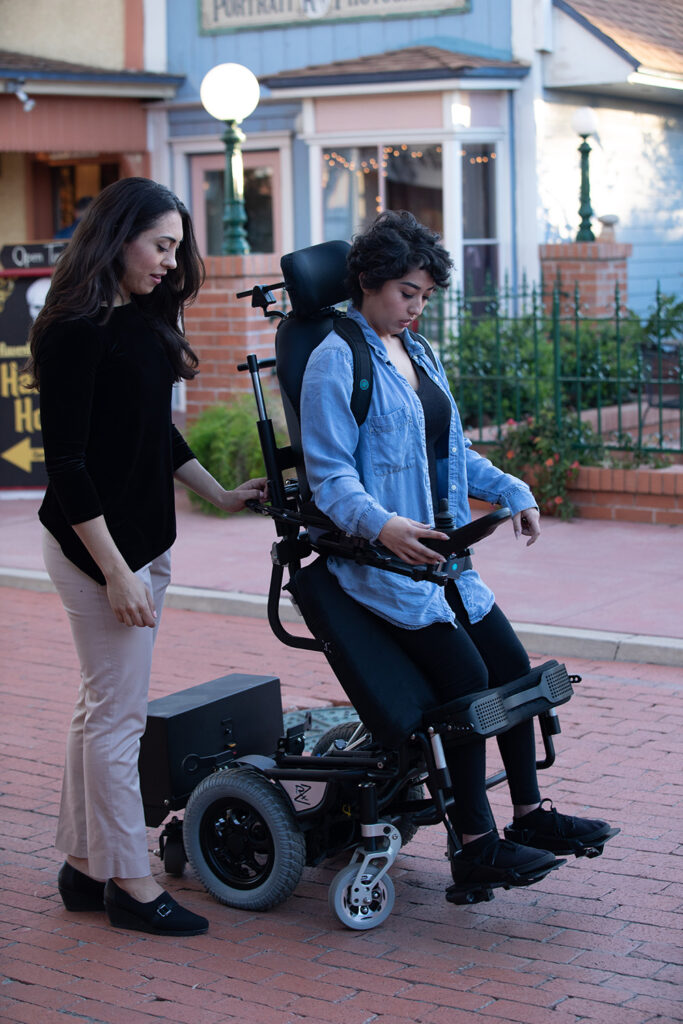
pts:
[234, 214]
[585, 232]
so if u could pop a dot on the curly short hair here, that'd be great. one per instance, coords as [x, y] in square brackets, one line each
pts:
[394, 243]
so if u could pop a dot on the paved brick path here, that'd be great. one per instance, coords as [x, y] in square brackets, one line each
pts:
[599, 940]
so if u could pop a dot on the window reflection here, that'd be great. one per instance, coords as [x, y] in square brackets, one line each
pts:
[361, 181]
[258, 205]
[479, 229]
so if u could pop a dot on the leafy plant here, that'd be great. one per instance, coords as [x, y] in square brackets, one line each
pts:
[547, 456]
[503, 368]
[225, 440]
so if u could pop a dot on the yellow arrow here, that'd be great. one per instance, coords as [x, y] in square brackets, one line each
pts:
[22, 455]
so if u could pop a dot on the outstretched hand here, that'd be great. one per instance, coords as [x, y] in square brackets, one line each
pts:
[527, 523]
[250, 490]
[402, 537]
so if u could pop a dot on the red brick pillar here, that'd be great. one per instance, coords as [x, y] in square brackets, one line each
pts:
[596, 267]
[223, 329]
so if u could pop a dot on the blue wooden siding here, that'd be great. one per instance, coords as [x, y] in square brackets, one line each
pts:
[636, 172]
[484, 30]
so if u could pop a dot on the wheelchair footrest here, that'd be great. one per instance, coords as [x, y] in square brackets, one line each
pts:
[489, 712]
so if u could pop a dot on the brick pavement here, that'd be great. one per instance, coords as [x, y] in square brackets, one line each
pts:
[598, 940]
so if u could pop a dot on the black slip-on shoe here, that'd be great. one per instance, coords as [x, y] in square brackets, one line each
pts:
[79, 891]
[162, 916]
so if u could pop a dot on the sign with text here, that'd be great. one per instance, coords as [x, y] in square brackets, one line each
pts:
[230, 15]
[22, 461]
[31, 256]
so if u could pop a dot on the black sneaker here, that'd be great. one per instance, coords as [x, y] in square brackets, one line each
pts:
[162, 916]
[491, 862]
[547, 829]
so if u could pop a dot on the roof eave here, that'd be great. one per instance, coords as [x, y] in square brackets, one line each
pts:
[143, 85]
[298, 86]
[645, 84]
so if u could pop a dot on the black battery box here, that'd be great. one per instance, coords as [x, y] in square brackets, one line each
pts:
[192, 732]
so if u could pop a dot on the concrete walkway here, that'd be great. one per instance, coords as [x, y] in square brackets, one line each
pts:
[589, 588]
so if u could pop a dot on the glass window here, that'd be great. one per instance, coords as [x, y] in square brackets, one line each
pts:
[361, 181]
[351, 199]
[480, 250]
[258, 205]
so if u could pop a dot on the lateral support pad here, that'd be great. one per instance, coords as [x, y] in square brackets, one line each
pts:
[489, 712]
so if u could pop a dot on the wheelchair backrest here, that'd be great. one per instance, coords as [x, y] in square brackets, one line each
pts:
[314, 280]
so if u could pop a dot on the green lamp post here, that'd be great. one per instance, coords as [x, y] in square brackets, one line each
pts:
[585, 123]
[230, 92]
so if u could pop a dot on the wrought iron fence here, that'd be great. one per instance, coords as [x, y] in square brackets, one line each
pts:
[514, 354]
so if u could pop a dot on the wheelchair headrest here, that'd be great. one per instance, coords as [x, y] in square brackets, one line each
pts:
[314, 277]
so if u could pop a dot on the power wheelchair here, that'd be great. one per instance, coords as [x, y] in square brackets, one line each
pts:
[257, 807]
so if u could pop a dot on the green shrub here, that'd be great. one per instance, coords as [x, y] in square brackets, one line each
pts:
[225, 440]
[547, 456]
[504, 368]
[500, 368]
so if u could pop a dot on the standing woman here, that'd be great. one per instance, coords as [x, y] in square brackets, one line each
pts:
[106, 349]
[383, 481]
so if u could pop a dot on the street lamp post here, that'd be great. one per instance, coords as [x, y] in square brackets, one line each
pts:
[230, 92]
[584, 124]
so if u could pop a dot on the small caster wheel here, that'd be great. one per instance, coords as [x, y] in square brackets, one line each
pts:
[172, 849]
[364, 915]
[174, 857]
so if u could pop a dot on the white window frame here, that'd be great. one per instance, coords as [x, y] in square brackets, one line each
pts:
[185, 147]
[451, 143]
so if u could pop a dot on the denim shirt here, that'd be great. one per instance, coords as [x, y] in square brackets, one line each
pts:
[362, 476]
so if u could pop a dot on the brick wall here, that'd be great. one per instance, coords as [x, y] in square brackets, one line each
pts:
[596, 267]
[625, 495]
[630, 495]
[223, 329]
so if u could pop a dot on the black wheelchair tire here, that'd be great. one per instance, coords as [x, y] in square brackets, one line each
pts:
[344, 731]
[243, 840]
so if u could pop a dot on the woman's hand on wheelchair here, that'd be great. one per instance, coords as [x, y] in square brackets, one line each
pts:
[527, 523]
[402, 537]
[250, 490]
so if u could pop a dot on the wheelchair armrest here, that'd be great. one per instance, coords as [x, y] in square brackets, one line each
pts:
[460, 539]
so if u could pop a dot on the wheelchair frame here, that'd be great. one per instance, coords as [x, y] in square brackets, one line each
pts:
[255, 820]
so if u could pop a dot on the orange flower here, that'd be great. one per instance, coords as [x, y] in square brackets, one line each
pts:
[558, 499]
[509, 454]
[550, 461]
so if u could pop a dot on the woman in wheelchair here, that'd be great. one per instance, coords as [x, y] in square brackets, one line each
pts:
[382, 480]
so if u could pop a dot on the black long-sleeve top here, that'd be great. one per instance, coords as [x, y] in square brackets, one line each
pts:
[111, 448]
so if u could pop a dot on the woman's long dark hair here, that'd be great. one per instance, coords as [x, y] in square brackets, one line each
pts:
[86, 279]
[394, 243]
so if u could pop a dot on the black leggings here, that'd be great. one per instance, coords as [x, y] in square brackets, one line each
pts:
[462, 660]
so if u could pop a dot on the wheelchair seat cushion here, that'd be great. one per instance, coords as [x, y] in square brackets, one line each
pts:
[386, 688]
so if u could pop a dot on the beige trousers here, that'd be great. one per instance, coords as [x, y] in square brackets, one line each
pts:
[101, 815]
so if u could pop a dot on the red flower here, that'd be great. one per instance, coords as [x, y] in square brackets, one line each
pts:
[550, 461]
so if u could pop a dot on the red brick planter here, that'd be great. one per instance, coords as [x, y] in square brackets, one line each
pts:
[631, 495]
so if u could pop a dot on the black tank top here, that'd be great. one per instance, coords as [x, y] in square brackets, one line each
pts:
[437, 413]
